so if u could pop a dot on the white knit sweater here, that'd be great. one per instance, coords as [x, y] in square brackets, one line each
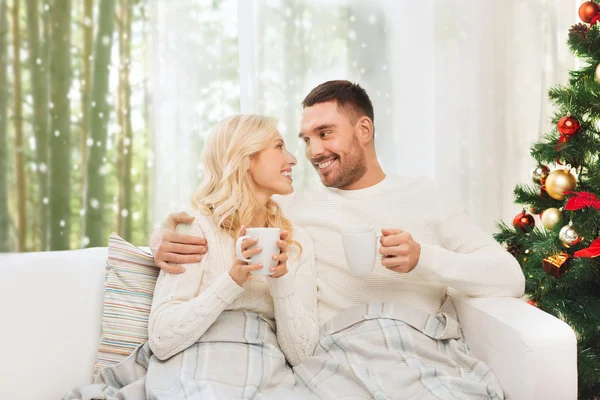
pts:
[185, 305]
[455, 252]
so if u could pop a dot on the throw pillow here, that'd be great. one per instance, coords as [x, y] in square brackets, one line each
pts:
[131, 277]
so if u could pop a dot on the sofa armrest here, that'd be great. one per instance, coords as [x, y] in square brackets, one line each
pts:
[51, 307]
[533, 354]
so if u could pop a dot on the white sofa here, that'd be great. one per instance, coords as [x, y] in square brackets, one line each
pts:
[51, 307]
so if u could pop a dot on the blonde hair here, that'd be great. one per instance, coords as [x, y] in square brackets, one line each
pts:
[225, 192]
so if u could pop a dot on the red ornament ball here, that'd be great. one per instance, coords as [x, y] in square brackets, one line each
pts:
[568, 126]
[524, 222]
[532, 302]
[588, 10]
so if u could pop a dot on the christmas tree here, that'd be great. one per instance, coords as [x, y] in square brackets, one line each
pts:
[560, 259]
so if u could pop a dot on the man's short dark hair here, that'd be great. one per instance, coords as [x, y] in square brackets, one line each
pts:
[349, 96]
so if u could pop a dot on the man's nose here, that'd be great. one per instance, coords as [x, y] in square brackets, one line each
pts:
[315, 148]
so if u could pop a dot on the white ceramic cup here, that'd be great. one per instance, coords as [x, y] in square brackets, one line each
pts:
[361, 249]
[267, 239]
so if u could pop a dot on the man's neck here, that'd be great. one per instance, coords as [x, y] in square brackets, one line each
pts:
[372, 177]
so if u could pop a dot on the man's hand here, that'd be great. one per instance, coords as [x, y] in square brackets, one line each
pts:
[400, 252]
[178, 248]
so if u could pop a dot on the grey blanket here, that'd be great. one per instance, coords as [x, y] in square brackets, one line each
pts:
[374, 351]
[237, 358]
[394, 351]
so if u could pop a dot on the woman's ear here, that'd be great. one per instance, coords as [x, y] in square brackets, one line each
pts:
[250, 162]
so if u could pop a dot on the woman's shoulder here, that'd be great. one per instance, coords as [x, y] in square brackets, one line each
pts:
[300, 235]
[304, 239]
[203, 224]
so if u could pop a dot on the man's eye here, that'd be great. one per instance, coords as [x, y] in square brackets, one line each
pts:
[324, 134]
[306, 140]
[280, 146]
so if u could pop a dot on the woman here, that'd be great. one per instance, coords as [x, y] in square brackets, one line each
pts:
[221, 331]
[216, 331]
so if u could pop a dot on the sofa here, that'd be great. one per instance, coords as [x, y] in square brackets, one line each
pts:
[51, 309]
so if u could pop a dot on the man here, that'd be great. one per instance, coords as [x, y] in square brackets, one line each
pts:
[391, 334]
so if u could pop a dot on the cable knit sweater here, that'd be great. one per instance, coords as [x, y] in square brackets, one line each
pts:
[185, 305]
[455, 252]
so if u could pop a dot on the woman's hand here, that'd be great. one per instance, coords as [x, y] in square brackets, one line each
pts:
[281, 268]
[240, 270]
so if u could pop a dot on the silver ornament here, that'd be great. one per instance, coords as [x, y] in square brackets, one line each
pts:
[568, 236]
[539, 174]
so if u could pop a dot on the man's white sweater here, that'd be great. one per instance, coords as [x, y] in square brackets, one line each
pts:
[455, 252]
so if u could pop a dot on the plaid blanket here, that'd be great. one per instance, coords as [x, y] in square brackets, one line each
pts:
[382, 350]
[388, 350]
[237, 358]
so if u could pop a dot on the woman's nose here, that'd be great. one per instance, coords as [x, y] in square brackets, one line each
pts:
[291, 159]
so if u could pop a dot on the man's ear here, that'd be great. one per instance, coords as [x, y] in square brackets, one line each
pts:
[365, 129]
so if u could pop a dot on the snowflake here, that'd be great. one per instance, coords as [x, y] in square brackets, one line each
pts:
[98, 143]
[94, 203]
[38, 61]
[85, 241]
[89, 142]
[136, 216]
[87, 21]
[372, 19]
[51, 105]
[82, 212]
[124, 213]
[105, 40]
[45, 200]
[138, 188]
[56, 133]
[93, 104]
[62, 223]
[352, 18]
[103, 169]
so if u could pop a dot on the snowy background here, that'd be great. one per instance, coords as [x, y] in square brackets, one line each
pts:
[459, 89]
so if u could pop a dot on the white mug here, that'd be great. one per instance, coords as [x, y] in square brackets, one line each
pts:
[360, 249]
[267, 239]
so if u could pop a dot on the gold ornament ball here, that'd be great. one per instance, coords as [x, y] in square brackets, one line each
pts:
[551, 218]
[558, 182]
[597, 74]
[568, 236]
